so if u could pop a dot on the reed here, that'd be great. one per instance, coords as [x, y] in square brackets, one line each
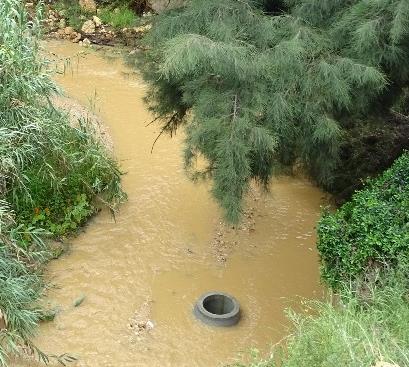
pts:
[51, 175]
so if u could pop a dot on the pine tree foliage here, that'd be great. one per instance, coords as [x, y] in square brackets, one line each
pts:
[260, 91]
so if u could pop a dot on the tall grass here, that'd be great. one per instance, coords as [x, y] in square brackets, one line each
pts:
[20, 286]
[50, 171]
[120, 17]
[357, 332]
[51, 174]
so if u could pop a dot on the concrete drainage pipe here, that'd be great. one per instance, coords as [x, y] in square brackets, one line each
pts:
[217, 309]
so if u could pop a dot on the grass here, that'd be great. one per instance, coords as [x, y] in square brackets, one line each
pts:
[121, 17]
[118, 14]
[21, 286]
[52, 171]
[52, 174]
[355, 333]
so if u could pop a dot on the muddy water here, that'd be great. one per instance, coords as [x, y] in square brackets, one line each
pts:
[167, 247]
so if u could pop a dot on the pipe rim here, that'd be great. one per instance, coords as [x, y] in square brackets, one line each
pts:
[232, 313]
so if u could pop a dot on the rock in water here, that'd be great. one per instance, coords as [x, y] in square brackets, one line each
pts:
[61, 33]
[88, 5]
[77, 38]
[149, 325]
[88, 27]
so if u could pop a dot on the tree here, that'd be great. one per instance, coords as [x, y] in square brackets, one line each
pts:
[261, 86]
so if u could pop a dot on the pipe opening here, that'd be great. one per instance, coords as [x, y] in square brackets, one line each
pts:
[217, 309]
[218, 304]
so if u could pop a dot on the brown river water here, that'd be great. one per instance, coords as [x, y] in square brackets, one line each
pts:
[168, 246]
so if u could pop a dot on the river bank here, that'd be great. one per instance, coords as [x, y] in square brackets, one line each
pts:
[89, 26]
[52, 174]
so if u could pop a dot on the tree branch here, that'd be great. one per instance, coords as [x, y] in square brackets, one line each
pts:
[168, 126]
[234, 113]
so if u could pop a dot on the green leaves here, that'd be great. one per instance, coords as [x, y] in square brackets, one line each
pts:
[231, 176]
[191, 55]
[373, 227]
[400, 23]
[360, 328]
[326, 130]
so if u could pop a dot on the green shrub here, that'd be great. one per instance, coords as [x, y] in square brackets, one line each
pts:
[121, 17]
[60, 197]
[372, 228]
[20, 288]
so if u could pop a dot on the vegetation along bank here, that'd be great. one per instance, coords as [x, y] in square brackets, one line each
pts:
[261, 88]
[53, 176]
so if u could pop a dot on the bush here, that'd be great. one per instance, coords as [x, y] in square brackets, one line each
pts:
[370, 230]
[58, 190]
[20, 285]
[365, 323]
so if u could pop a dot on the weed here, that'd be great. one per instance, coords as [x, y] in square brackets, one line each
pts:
[119, 18]
[354, 333]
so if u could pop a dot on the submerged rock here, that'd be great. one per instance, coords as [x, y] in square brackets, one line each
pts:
[77, 38]
[149, 325]
[86, 42]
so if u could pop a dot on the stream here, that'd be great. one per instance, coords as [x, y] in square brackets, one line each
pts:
[168, 245]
